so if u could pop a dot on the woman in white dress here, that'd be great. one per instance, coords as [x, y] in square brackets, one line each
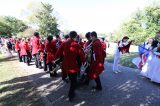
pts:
[151, 69]
[147, 68]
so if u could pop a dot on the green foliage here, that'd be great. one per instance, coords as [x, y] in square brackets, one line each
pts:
[11, 25]
[4, 29]
[142, 24]
[45, 20]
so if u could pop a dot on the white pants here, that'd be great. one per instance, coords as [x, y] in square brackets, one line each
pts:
[116, 61]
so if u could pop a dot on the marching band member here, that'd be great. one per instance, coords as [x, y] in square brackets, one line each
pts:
[35, 49]
[88, 51]
[24, 49]
[41, 53]
[123, 47]
[69, 50]
[104, 46]
[17, 48]
[96, 66]
[50, 46]
[57, 43]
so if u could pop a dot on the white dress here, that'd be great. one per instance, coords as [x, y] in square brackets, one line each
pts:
[152, 67]
[155, 73]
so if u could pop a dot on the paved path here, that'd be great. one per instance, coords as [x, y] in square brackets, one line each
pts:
[123, 89]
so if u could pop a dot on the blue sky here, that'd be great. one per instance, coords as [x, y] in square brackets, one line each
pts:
[82, 15]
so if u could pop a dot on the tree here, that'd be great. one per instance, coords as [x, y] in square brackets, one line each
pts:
[142, 24]
[13, 24]
[44, 18]
[4, 29]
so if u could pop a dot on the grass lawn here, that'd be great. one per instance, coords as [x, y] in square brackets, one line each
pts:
[15, 88]
[125, 59]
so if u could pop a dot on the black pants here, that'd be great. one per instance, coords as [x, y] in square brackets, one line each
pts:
[19, 57]
[73, 79]
[50, 66]
[24, 59]
[29, 56]
[27, 59]
[37, 62]
[98, 83]
[44, 62]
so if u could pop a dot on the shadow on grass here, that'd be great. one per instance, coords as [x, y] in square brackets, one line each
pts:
[4, 59]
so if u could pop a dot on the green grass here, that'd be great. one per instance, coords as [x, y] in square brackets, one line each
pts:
[125, 59]
[15, 88]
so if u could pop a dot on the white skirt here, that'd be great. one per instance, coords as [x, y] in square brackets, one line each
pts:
[152, 69]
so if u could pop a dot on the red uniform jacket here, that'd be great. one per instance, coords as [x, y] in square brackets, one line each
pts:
[41, 50]
[51, 50]
[17, 46]
[96, 67]
[24, 48]
[69, 50]
[35, 45]
[104, 46]
[125, 48]
[81, 44]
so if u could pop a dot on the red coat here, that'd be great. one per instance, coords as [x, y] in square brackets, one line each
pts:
[24, 47]
[41, 50]
[125, 48]
[17, 46]
[96, 67]
[104, 46]
[69, 50]
[51, 50]
[35, 45]
[81, 44]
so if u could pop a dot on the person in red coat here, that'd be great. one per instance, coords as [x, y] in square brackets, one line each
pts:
[50, 46]
[57, 44]
[17, 48]
[96, 65]
[35, 49]
[69, 51]
[104, 46]
[24, 51]
[88, 52]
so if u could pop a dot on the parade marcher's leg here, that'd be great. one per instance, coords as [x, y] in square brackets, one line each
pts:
[24, 60]
[36, 60]
[27, 59]
[44, 63]
[30, 56]
[85, 78]
[50, 69]
[73, 79]
[98, 82]
[39, 62]
[19, 57]
[116, 62]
